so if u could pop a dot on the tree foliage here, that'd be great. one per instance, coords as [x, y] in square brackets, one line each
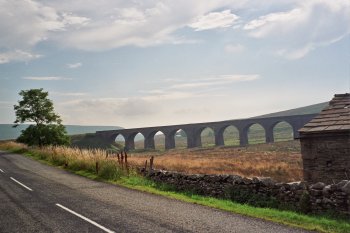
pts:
[44, 135]
[35, 107]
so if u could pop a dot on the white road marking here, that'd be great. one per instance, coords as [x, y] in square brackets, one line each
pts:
[85, 218]
[21, 184]
[2, 171]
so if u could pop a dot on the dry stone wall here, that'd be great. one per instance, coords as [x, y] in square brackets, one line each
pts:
[314, 198]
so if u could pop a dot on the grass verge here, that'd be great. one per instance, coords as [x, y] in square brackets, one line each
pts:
[133, 181]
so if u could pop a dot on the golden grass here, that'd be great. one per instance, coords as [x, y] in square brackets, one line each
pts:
[92, 161]
[281, 160]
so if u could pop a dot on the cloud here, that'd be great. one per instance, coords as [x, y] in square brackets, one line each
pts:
[17, 55]
[234, 48]
[305, 27]
[74, 65]
[214, 20]
[292, 16]
[24, 24]
[215, 81]
[68, 93]
[293, 54]
[113, 110]
[68, 19]
[291, 29]
[105, 25]
[196, 88]
[145, 26]
[166, 95]
[45, 78]
[132, 107]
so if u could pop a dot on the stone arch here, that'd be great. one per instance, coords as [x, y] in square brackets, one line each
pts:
[256, 133]
[180, 138]
[282, 131]
[176, 138]
[120, 140]
[138, 140]
[230, 135]
[158, 140]
[206, 137]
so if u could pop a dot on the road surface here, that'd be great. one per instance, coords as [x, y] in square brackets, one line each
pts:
[38, 198]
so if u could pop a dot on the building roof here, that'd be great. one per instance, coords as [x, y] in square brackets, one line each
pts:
[334, 118]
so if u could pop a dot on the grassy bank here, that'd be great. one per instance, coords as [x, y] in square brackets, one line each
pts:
[83, 162]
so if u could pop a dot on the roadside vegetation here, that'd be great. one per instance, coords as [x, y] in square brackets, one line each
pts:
[97, 165]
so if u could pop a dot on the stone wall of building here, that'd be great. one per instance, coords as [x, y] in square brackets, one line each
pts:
[314, 198]
[326, 157]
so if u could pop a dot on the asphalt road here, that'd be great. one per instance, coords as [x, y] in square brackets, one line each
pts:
[39, 198]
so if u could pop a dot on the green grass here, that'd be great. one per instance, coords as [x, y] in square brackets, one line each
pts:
[134, 181]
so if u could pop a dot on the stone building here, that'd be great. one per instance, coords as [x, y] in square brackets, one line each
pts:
[325, 143]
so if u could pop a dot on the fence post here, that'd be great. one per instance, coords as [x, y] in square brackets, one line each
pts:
[145, 171]
[122, 159]
[118, 158]
[150, 165]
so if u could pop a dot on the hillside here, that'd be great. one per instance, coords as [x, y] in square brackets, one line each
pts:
[310, 109]
[8, 132]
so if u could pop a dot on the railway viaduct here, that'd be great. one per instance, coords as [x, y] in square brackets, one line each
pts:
[193, 131]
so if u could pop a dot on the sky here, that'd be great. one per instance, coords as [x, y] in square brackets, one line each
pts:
[148, 63]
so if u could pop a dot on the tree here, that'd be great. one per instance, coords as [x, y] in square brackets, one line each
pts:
[37, 108]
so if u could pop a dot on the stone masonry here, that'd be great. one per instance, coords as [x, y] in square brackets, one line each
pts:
[334, 198]
[325, 143]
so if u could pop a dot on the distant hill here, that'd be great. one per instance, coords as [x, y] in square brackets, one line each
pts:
[315, 108]
[8, 132]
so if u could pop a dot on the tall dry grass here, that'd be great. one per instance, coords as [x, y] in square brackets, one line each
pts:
[281, 161]
[74, 159]
[11, 145]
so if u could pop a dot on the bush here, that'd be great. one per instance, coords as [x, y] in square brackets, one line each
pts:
[43, 135]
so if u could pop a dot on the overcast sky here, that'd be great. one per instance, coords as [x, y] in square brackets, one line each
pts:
[146, 63]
